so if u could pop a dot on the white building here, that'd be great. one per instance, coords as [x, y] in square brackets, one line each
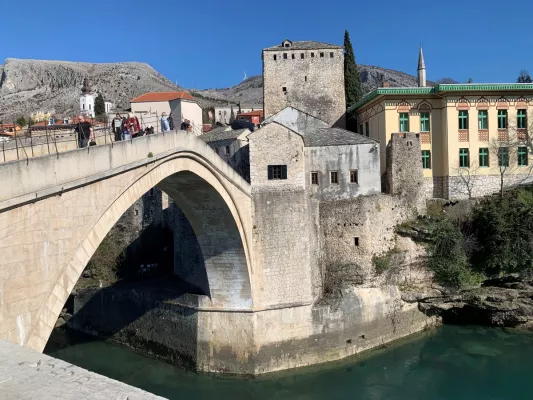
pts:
[108, 106]
[87, 99]
[149, 107]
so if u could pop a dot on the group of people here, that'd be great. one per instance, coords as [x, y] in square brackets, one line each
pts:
[125, 128]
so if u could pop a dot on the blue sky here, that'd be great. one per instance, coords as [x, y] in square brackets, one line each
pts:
[210, 43]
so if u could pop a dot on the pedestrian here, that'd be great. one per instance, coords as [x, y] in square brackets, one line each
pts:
[183, 126]
[84, 132]
[117, 127]
[171, 122]
[188, 127]
[165, 127]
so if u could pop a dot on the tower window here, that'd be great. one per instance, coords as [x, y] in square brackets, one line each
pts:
[334, 178]
[284, 56]
[293, 56]
[312, 55]
[314, 178]
[284, 90]
[321, 54]
[306, 78]
[331, 55]
[354, 178]
[276, 172]
[356, 241]
[302, 56]
[275, 57]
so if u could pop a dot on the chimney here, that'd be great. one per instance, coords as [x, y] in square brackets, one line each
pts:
[385, 84]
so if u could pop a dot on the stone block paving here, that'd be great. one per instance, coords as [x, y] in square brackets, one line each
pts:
[28, 375]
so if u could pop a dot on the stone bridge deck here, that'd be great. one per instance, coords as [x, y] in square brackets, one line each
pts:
[28, 375]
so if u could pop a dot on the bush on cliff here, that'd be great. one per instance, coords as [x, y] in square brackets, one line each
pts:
[504, 230]
[448, 256]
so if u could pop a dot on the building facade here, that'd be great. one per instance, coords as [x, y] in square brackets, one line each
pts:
[462, 129]
[305, 75]
[181, 105]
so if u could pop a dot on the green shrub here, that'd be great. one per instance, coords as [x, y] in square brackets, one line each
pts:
[381, 263]
[150, 155]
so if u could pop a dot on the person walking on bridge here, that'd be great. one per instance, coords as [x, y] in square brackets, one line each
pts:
[84, 131]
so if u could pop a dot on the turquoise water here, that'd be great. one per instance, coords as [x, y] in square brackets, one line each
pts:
[450, 363]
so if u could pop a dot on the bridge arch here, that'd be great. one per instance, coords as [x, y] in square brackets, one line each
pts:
[216, 203]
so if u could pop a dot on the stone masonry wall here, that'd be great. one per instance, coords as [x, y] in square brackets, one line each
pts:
[482, 185]
[404, 169]
[314, 84]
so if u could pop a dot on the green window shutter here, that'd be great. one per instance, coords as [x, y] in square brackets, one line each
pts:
[463, 119]
[484, 157]
[424, 122]
[483, 120]
[426, 159]
[404, 122]
[464, 161]
[283, 172]
[503, 157]
[521, 119]
[502, 119]
[270, 173]
[522, 156]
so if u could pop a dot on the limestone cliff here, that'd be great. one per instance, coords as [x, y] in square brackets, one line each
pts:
[32, 85]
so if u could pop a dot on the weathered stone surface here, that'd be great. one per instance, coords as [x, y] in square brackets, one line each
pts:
[506, 302]
[28, 375]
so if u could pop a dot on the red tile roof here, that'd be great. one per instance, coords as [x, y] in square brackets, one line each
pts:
[162, 96]
[258, 113]
[207, 127]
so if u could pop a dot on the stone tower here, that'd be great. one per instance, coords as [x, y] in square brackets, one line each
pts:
[87, 99]
[306, 75]
[421, 69]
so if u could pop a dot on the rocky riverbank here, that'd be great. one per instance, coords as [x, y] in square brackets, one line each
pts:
[503, 302]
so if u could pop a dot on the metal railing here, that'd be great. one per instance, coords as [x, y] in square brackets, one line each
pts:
[60, 138]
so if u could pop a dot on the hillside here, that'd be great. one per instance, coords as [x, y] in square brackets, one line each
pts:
[32, 85]
[251, 90]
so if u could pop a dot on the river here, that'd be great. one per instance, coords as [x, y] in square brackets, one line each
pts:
[450, 363]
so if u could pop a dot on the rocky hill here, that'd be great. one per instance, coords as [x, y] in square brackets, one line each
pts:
[251, 90]
[32, 85]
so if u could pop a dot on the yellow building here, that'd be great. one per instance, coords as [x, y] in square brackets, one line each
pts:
[462, 129]
[41, 116]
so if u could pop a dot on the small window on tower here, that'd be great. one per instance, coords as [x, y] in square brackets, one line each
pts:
[353, 176]
[314, 178]
[312, 55]
[334, 178]
[284, 90]
[293, 56]
[284, 56]
[306, 78]
[321, 54]
[302, 56]
[275, 57]
[356, 241]
[331, 55]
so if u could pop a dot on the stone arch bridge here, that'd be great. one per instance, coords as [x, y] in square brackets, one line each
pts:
[56, 210]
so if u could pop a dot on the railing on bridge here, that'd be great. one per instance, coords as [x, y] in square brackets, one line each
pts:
[58, 138]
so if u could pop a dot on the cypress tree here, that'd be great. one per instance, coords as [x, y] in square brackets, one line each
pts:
[352, 81]
[99, 106]
[524, 77]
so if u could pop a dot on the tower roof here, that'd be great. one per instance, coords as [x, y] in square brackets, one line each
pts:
[421, 63]
[303, 45]
[86, 86]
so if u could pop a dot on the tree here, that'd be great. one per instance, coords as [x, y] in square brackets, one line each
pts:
[524, 77]
[504, 150]
[99, 106]
[21, 121]
[352, 82]
[466, 180]
[232, 116]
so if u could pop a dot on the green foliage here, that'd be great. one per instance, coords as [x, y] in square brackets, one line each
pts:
[524, 77]
[150, 155]
[448, 257]
[99, 105]
[21, 121]
[381, 263]
[352, 81]
[504, 229]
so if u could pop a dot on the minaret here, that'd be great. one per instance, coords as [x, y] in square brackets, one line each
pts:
[421, 69]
